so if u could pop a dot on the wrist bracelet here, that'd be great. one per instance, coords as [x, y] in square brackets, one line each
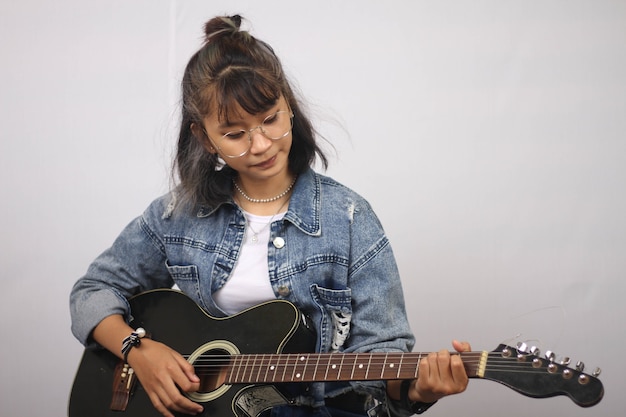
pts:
[416, 407]
[134, 339]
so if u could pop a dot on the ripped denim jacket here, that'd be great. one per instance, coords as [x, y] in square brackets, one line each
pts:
[335, 264]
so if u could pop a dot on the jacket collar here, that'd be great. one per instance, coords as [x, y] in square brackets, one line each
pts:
[305, 203]
[304, 206]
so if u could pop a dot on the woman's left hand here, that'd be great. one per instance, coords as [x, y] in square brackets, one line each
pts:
[440, 374]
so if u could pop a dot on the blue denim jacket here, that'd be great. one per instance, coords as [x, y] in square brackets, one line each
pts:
[335, 263]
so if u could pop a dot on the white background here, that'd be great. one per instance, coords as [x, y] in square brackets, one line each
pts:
[488, 135]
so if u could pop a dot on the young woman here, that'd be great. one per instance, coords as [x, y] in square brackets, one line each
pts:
[250, 221]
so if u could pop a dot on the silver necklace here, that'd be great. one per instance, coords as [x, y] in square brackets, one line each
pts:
[255, 233]
[264, 200]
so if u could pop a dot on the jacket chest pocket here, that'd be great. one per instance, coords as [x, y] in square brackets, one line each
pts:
[336, 314]
[187, 279]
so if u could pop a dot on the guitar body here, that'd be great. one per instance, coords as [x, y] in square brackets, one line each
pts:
[174, 319]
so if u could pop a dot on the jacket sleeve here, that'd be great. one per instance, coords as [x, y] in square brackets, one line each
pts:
[133, 264]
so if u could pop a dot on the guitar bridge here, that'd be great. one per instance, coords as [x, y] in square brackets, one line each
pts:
[124, 380]
[253, 400]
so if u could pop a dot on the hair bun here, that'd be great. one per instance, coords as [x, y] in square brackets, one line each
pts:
[220, 26]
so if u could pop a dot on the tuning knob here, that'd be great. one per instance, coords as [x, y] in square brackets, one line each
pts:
[535, 351]
[521, 346]
[550, 356]
[580, 366]
[565, 361]
[596, 372]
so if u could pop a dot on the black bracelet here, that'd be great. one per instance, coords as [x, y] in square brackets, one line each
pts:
[134, 339]
[416, 407]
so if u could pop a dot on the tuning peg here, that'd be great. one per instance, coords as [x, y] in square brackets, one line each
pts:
[565, 361]
[521, 346]
[550, 356]
[580, 366]
[596, 372]
[535, 351]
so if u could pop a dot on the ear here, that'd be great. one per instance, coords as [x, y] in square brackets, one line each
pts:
[201, 137]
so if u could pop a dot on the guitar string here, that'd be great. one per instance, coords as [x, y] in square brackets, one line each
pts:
[248, 373]
[468, 357]
[370, 367]
[341, 358]
[492, 367]
[218, 362]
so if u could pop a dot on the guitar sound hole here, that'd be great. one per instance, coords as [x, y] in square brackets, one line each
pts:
[211, 369]
[211, 362]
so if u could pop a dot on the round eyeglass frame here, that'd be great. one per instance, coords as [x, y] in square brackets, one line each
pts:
[249, 132]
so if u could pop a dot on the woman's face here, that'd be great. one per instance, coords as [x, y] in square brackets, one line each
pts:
[264, 139]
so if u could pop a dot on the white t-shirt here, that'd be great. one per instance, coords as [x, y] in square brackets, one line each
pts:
[249, 283]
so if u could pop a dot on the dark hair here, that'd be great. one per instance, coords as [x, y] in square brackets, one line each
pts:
[232, 69]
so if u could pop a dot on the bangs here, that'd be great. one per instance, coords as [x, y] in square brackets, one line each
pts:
[244, 88]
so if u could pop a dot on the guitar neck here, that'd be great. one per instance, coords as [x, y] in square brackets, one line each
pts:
[319, 367]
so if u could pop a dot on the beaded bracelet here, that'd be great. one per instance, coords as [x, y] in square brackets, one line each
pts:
[416, 407]
[134, 339]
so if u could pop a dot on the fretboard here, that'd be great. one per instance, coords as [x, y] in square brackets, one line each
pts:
[317, 367]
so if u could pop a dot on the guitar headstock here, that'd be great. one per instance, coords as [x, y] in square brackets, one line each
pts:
[524, 370]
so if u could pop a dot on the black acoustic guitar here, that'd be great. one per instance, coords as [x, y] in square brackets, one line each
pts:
[241, 359]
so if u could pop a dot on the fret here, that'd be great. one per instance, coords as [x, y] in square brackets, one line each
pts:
[268, 367]
[260, 367]
[333, 366]
[290, 366]
[383, 367]
[305, 368]
[284, 366]
[250, 367]
[246, 366]
[242, 375]
[367, 370]
[356, 357]
[238, 370]
[272, 368]
[232, 368]
[327, 367]
[407, 366]
[343, 356]
[374, 366]
[361, 368]
[316, 367]
[417, 366]
[300, 360]
[392, 365]
[296, 367]
[229, 368]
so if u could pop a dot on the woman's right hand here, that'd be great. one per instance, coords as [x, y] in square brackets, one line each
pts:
[163, 374]
[162, 371]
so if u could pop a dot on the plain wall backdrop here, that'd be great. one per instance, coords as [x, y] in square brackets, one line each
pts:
[488, 135]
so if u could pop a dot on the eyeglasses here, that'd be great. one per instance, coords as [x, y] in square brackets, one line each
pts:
[238, 142]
